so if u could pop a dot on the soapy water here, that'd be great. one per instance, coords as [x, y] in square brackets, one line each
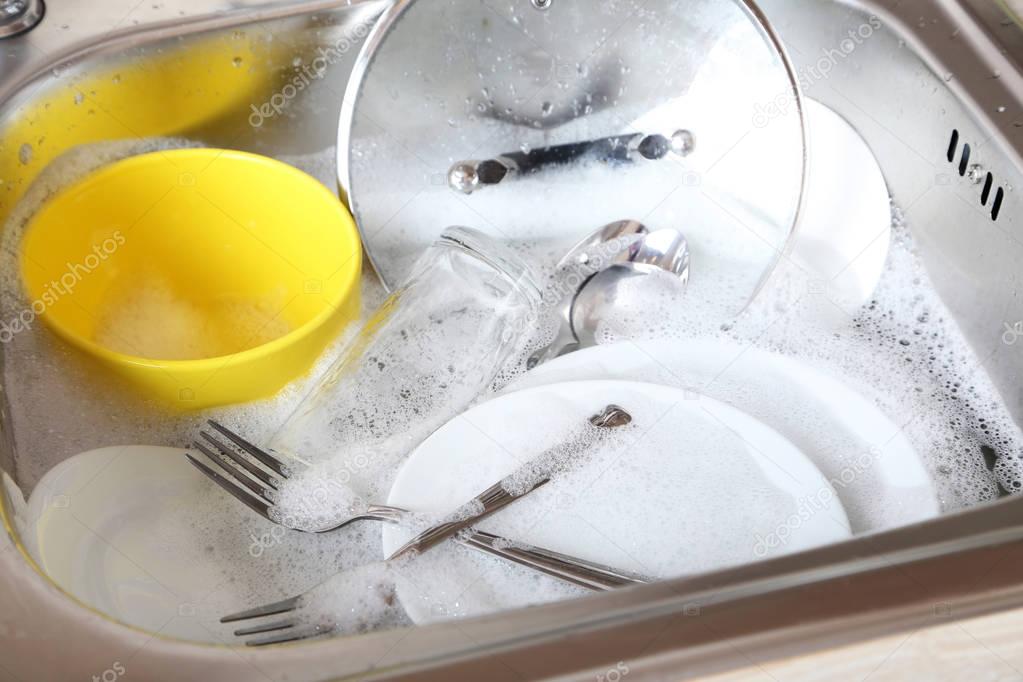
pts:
[903, 350]
[414, 368]
[249, 559]
[41, 371]
[676, 492]
[325, 494]
[355, 601]
[186, 331]
[373, 596]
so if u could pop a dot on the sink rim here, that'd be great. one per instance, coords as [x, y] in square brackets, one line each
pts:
[997, 525]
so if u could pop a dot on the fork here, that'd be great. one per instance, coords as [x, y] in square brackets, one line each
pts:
[586, 574]
[256, 487]
[260, 498]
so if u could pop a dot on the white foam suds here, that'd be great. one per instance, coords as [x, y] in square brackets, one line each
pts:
[903, 351]
[98, 409]
[429, 584]
[422, 361]
[355, 601]
[154, 320]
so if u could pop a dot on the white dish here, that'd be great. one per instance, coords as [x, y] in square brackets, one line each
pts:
[845, 230]
[878, 476]
[104, 524]
[691, 485]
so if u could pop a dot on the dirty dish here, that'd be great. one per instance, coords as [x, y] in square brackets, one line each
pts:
[92, 526]
[203, 276]
[843, 238]
[881, 479]
[690, 486]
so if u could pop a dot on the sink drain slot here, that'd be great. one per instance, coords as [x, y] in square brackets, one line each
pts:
[965, 160]
[997, 206]
[976, 174]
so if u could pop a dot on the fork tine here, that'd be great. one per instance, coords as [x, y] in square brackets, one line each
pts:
[268, 460]
[229, 452]
[283, 606]
[268, 627]
[237, 476]
[251, 502]
[293, 635]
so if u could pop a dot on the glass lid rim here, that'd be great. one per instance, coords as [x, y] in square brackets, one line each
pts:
[389, 18]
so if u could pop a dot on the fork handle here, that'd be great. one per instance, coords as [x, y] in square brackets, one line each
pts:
[571, 569]
[587, 574]
[491, 500]
[497, 497]
[382, 512]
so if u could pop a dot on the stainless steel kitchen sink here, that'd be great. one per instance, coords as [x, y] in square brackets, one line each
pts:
[919, 80]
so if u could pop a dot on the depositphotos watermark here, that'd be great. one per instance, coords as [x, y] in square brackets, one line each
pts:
[811, 505]
[62, 286]
[817, 71]
[265, 541]
[614, 674]
[114, 672]
[306, 73]
[1012, 333]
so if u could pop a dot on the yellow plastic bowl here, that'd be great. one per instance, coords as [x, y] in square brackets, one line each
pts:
[204, 276]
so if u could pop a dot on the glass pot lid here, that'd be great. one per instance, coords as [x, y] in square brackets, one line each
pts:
[538, 121]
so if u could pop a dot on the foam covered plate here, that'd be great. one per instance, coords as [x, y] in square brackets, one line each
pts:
[99, 523]
[879, 477]
[690, 486]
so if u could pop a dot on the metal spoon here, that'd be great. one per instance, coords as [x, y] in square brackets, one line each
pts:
[665, 250]
[662, 250]
[580, 255]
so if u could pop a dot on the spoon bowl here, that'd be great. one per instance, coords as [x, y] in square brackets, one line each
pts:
[610, 233]
[581, 255]
[663, 250]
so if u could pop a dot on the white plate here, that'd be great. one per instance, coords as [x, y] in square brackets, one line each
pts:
[845, 231]
[691, 485]
[877, 474]
[108, 527]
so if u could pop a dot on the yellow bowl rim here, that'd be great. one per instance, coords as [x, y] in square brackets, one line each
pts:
[333, 305]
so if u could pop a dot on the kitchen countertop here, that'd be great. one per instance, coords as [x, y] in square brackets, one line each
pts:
[987, 649]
